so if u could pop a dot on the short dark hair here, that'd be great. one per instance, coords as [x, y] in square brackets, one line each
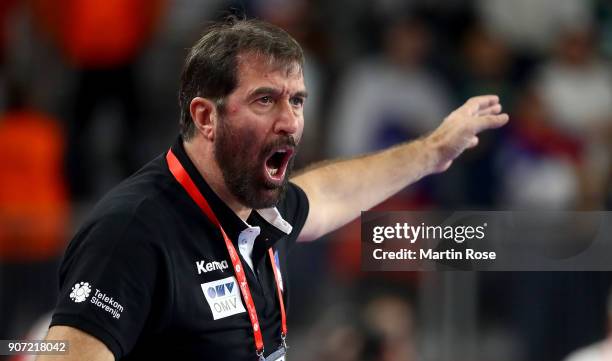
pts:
[211, 67]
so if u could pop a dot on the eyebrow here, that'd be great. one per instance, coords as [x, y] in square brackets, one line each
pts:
[275, 92]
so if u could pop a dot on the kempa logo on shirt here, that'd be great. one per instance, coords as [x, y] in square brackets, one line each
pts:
[223, 297]
[204, 266]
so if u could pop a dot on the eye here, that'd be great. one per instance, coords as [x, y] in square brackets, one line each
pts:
[297, 101]
[265, 100]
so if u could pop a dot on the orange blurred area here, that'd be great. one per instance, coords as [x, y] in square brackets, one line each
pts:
[98, 33]
[33, 200]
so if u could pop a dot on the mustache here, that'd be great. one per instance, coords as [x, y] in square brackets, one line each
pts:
[280, 142]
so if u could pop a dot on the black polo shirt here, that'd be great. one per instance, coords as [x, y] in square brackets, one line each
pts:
[150, 276]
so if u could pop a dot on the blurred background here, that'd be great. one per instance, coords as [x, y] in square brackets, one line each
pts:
[88, 94]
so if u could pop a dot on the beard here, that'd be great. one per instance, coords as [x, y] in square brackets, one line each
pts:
[234, 150]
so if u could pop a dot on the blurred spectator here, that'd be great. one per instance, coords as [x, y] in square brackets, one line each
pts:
[33, 213]
[576, 86]
[531, 26]
[33, 201]
[600, 351]
[345, 343]
[538, 164]
[485, 65]
[381, 329]
[391, 98]
[102, 40]
[392, 319]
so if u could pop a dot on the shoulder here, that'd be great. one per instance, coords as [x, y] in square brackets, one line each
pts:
[145, 188]
[136, 209]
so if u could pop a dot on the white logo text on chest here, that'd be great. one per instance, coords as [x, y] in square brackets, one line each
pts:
[204, 267]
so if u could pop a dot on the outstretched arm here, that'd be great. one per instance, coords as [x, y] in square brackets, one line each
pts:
[339, 190]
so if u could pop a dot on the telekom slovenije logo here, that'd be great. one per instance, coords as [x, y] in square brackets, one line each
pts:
[80, 292]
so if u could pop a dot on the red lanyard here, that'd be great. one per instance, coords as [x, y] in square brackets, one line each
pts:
[177, 170]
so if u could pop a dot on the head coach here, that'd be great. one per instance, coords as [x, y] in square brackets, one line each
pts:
[186, 259]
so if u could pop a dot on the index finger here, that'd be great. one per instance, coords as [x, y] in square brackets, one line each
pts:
[482, 102]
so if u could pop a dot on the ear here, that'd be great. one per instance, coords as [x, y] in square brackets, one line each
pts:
[204, 115]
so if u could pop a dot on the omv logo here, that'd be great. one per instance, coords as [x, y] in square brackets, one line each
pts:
[223, 297]
[221, 290]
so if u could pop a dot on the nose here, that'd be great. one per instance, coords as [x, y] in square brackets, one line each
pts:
[288, 120]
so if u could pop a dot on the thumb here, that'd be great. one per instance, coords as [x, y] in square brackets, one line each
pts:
[473, 142]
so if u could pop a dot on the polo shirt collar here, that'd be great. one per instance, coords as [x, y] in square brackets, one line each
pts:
[273, 226]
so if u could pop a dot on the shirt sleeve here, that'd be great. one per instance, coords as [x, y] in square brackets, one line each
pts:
[294, 208]
[107, 280]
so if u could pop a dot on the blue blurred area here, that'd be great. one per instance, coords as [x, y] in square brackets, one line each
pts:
[105, 74]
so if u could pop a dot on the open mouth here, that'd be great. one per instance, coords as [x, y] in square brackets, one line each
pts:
[276, 164]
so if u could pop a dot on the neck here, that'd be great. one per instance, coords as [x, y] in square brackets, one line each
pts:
[201, 154]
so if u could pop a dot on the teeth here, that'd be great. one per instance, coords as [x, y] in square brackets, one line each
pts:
[274, 171]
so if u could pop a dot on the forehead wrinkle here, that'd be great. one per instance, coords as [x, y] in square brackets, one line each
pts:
[272, 85]
[266, 64]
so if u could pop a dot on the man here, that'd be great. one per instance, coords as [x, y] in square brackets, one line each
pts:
[154, 272]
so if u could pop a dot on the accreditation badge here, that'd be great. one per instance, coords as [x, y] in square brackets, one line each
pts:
[278, 355]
